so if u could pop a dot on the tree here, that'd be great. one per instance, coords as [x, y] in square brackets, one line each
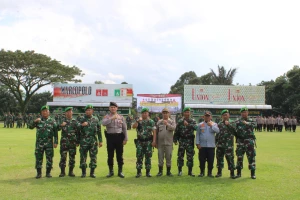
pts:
[223, 77]
[124, 82]
[184, 79]
[29, 71]
[38, 100]
[8, 102]
[99, 82]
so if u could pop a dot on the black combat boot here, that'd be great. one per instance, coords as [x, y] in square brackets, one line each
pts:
[160, 171]
[48, 173]
[239, 173]
[120, 172]
[148, 173]
[39, 173]
[83, 175]
[253, 174]
[92, 173]
[191, 172]
[201, 173]
[139, 173]
[110, 171]
[62, 172]
[169, 171]
[71, 173]
[179, 171]
[219, 174]
[232, 174]
[209, 173]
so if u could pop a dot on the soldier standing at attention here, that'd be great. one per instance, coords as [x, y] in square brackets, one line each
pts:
[205, 142]
[70, 130]
[290, 123]
[224, 144]
[280, 124]
[19, 120]
[4, 120]
[146, 139]
[245, 143]
[29, 120]
[184, 134]
[294, 123]
[116, 138]
[165, 128]
[90, 130]
[285, 120]
[46, 139]
[128, 121]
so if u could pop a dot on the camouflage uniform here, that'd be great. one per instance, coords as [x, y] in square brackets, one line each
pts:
[19, 120]
[128, 121]
[245, 143]
[144, 143]
[224, 143]
[69, 134]
[46, 135]
[9, 120]
[185, 135]
[29, 120]
[88, 141]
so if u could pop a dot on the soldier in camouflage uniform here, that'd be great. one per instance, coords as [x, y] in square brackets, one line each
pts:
[25, 117]
[128, 121]
[4, 120]
[146, 139]
[184, 134]
[224, 143]
[29, 120]
[68, 142]
[90, 130]
[245, 143]
[9, 120]
[46, 139]
[19, 120]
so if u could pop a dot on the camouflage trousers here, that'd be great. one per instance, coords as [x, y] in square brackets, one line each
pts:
[39, 154]
[19, 125]
[143, 149]
[245, 146]
[93, 151]
[128, 126]
[188, 147]
[229, 155]
[63, 156]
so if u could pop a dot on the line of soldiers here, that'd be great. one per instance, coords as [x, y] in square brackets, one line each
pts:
[276, 124]
[86, 133]
[21, 121]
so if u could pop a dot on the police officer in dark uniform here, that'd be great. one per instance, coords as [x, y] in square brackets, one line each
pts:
[116, 138]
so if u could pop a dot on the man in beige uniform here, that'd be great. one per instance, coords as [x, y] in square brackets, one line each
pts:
[165, 128]
[116, 138]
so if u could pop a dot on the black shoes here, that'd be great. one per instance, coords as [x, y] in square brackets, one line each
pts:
[219, 174]
[48, 173]
[169, 171]
[139, 173]
[148, 173]
[191, 172]
[92, 173]
[62, 172]
[160, 171]
[71, 173]
[83, 175]
[39, 173]
[253, 174]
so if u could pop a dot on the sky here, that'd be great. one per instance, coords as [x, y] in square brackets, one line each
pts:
[151, 43]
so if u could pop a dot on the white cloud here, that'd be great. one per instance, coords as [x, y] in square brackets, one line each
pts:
[116, 76]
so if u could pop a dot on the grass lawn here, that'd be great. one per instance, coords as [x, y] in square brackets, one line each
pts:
[278, 174]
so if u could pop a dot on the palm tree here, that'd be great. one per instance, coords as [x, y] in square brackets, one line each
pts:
[223, 77]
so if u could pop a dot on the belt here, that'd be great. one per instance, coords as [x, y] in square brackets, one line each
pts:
[113, 133]
[145, 140]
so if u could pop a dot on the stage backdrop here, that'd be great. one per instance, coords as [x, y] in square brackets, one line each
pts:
[157, 102]
[224, 94]
[99, 93]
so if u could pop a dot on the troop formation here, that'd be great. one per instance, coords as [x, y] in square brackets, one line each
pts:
[85, 132]
[276, 123]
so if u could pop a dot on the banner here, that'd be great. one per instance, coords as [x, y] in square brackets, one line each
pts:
[157, 102]
[99, 93]
[224, 94]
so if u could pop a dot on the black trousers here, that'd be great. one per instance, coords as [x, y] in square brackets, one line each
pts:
[114, 143]
[294, 127]
[206, 154]
[286, 126]
[280, 128]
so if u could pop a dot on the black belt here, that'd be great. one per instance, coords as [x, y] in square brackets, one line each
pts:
[145, 140]
[113, 133]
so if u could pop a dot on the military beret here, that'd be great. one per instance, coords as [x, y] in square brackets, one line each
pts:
[165, 110]
[186, 109]
[44, 107]
[244, 109]
[89, 106]
[207, 113]
[145, 110]
[224, 111]
[68, 108]
[113, 104]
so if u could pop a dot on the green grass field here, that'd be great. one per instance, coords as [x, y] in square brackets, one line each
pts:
[278, 174]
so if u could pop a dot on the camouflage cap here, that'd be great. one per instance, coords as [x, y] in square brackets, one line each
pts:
[224, 111]
[186, 109]
[165, 110]
[44, 107]
[244, 109]
[68, 108]
[207, 113]
[89, 106]
[145, 110]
